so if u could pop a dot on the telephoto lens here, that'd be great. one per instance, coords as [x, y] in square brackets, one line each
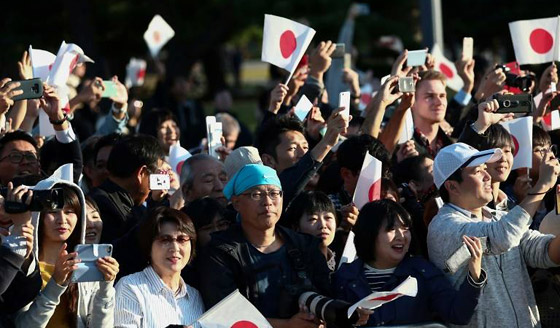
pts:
[333, 312]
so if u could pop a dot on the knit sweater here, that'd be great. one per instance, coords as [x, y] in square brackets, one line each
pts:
[508, 299]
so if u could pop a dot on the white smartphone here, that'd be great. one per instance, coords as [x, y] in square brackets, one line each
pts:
[416, 57]
[215, 139]
[159, 182]
[467, 48]
[87, 269]
[344, 101]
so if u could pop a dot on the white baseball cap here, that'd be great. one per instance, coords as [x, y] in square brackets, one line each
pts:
[449, 159]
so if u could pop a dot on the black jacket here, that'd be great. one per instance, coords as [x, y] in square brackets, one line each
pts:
[224, 266]
[16, 289]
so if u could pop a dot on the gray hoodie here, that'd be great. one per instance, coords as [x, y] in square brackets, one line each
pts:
[508, 299]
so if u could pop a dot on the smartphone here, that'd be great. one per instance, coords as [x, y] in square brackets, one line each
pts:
[406, 84]
[159, 182]
[467, 48]
[87, 269]
[110, 89]
[520, 103]
[344, 101]
[339, 51]
[347, 60]
[416, 57]
[462, 255]
[214, 139]
[32, 89]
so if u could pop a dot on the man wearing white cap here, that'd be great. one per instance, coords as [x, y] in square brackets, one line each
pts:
[465, 187]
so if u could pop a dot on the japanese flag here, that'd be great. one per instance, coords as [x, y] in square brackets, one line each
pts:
[409, 287]
[448, 69]
[158, 34]
[135, 72]
[177, 157]
[408, 129]
[234, 311]
[69, 55]
[551, 121]
[349, 252]
[369, 182]
[41, 62]
[535, 40]
[521, 130]
[284, 42]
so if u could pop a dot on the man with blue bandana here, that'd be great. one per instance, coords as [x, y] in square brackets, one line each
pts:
[270, 265]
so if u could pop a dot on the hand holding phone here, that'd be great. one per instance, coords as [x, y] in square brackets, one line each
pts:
[30, 89]
[339, 51]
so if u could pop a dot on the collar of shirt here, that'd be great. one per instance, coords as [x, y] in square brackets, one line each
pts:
[157, 286]
[487, 213]
[423, 140]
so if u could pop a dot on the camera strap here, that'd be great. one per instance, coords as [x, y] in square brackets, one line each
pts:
[298, 264]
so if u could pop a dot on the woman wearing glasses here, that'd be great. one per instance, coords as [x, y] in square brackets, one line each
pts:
[158, 296]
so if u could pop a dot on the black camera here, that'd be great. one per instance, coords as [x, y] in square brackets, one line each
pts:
[42, 199]
[521, 103]
[333, 312]
[523, 83]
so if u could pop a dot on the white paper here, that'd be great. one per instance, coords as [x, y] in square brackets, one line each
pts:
[303, 107]
[344, 101]
[349, 252]
[409, 287]
[416, 57]
[158, 34]
[408, 129]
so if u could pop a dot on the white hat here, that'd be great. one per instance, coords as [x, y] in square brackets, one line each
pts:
[451, 158]
[240, 157]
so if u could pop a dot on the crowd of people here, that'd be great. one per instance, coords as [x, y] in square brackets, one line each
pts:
[271, 214]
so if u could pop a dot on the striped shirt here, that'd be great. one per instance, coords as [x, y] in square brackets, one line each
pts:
[143, 300]
[377, 278]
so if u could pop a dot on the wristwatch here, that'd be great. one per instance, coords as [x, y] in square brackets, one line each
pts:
[61, 121]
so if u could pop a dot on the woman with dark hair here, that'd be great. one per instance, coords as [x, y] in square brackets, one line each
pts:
[158, 296]
[162, 124]
[60, 304]
[208, 215]
[383, 239]
[313, 212]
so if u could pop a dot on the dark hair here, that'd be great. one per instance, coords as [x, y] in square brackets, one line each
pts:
[132, 152]
[202, 211]
[369, 223]
[107, 140]
[496, 137]
[307, 202]
[91, 202]
[352, 151]
[150, 228]
[540, 137]
[389, 187]
[269, 135]
[88, 147]
[16, 136]
[409, 169]
[456, 176]
[152, 120]
[71, 199]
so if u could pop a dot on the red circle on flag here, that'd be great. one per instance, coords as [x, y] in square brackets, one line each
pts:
[244, 324]
[541, 41]
[179, 167]
[288, 43]
[446, 70]
[515, 145]
[376, 186]
[157, 37]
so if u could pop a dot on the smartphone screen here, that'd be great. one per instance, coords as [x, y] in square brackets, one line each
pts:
[110, 89]
[159, 182]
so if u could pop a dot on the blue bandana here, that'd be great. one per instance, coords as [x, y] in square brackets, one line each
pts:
[249, 176]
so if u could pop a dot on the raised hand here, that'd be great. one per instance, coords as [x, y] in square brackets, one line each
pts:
[24, 67]
[65, 264]
[475, 264]
[277, 96]
[109, 267]
[320, 60]
[7, 92]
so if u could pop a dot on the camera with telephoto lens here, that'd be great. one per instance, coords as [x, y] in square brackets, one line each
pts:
[333, 312]
[523, 83]
[40, 200]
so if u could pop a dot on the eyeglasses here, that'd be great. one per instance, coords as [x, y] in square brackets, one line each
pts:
[258, 194]
[167, 240]
[18, 157]
[553, 149]
[216, 226]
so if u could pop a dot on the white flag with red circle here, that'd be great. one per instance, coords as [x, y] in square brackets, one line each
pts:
[521, 130]
[41, 62]
[535, 40]
[284, 42]
[234, 311]
[135, 72]
[551, 121]
[69, 55]
[177, 157]
[447, 68]
[368, 187]
[158, 34]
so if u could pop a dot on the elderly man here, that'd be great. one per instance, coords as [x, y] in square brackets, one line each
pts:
[269, 264]
[465, 185]
[203, 176]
